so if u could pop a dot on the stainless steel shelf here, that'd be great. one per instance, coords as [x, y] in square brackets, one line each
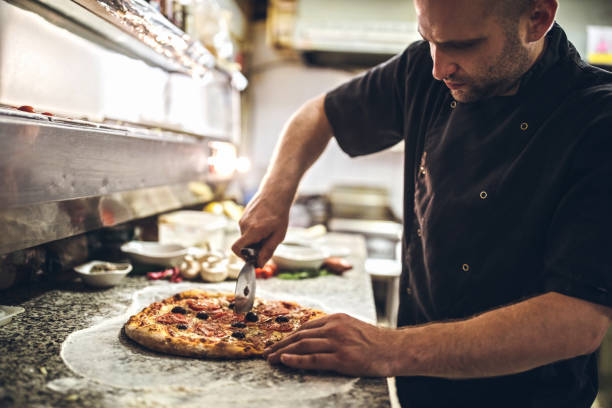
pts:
[60, 179]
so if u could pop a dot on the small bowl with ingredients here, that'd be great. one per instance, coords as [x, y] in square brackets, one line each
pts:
[290, 255]
[154, 253]
[103, 274]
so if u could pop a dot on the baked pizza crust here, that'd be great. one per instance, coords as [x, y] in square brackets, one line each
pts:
[156, 339]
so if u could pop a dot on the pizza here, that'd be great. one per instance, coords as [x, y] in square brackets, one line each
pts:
[196, 323]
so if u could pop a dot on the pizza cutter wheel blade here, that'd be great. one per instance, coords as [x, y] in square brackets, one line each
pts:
[245, 285]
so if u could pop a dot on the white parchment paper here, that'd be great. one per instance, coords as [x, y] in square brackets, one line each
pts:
[103, 354]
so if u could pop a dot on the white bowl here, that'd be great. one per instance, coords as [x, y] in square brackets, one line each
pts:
[292, 256]
[105, 278]
[155, 253]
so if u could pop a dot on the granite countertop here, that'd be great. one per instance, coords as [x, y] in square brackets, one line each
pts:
[99, 367]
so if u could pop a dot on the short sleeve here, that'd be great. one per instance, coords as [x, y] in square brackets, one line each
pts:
[579, 251]
[367, 112]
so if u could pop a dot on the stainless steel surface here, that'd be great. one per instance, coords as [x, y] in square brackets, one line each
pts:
[246, 283]
[58, 180]
[347, 26]
[388, 229]
[136, 29]
[59, 57]
[30, 225]
[359, 202]
[41, 162]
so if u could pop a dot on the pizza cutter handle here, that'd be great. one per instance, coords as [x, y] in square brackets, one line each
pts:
[250, 252]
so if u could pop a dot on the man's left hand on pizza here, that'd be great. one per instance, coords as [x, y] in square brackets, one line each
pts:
[338, 343]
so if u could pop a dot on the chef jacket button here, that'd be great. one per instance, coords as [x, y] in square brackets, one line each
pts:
[465, 267]
[524, 126]
[453, 104]
[423, 170]
[483, 195]
[419, 232]
[408, 291]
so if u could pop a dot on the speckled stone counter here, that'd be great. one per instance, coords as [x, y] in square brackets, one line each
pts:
[34, 374]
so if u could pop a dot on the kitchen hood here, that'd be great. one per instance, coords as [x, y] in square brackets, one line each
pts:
[351, 26]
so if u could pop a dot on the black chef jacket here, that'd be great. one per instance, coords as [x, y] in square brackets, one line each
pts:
[505, 199]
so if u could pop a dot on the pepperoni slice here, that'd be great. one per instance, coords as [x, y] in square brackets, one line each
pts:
[288, 305]
[260, 340]
[221, 316]
[210, 329]
[203, 304]
[274, 309]
[172, 318]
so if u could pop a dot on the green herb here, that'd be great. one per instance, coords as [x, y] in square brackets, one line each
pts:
[302, 274]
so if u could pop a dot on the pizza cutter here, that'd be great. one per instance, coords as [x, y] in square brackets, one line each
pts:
[245, 285]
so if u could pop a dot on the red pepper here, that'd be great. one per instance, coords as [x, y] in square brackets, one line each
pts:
[273, 267]
[267, 271]
[161, 274]
[337, 265]
[176, 275]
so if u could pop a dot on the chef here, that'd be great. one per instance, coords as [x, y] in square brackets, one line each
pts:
[506, 288]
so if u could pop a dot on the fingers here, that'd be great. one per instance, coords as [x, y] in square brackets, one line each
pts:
[310, 329]
[322, 361]
[246, 240]
[295, 337]
[306, 346]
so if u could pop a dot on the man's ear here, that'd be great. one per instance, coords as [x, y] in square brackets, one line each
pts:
[540, 18]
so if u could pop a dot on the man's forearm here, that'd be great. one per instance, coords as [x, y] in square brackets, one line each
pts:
[504, 341]
[302, 141]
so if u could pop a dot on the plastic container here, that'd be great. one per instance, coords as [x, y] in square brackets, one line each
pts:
[193, 228]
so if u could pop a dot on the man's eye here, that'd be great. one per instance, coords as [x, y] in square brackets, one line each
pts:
[458, 47]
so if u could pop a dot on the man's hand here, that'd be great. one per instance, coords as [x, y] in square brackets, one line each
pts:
[503, 341]
[265, 220]
[339, 343]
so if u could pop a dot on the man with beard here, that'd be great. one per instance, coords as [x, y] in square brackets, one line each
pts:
[506, 285]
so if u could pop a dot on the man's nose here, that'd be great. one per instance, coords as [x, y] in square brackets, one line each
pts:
[443, 67]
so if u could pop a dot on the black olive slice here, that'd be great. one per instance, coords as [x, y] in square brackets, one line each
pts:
[239, 325]
[251, 317]
[202, 315]
[182, 326]
[282, 319]
[178, 309]
[238, 335]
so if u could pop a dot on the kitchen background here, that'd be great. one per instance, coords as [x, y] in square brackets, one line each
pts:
[132, 109]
